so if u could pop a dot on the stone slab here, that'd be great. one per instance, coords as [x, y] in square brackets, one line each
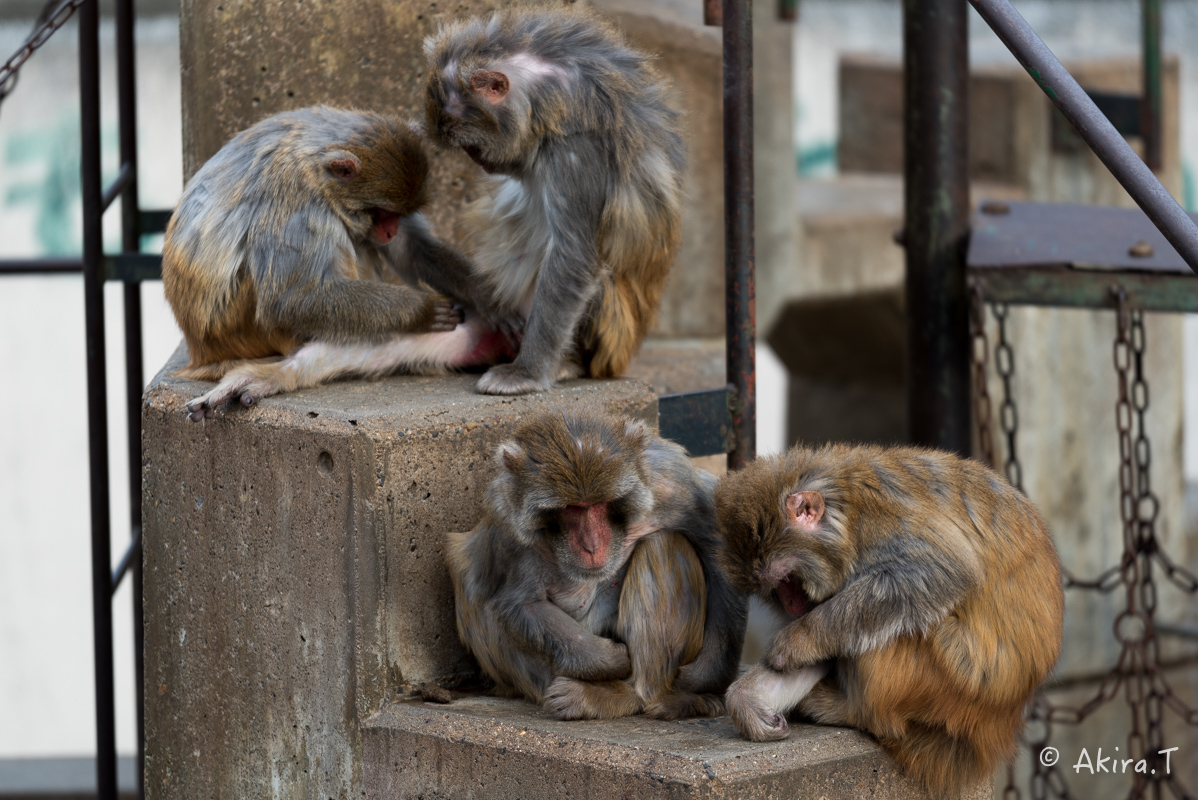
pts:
[294, 568]
[483, 747]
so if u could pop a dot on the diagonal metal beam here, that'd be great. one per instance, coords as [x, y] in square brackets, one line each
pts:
[1113, 150]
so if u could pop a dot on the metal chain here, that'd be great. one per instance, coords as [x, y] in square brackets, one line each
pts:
[983, 412]
[1004, 362]
[53, 16]
[1137, 675]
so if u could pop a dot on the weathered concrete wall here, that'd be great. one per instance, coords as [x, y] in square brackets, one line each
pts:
[294, 574]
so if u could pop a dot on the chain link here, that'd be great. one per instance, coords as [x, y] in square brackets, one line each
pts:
[1137, 675]
[983, 411]
[53, 16]
[1008, 417]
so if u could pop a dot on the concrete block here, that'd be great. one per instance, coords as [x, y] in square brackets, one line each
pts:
[509, 750]
[294, 573]
[1011, 137]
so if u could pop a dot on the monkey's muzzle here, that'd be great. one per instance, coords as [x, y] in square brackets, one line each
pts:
[794, 598]
[386, 225]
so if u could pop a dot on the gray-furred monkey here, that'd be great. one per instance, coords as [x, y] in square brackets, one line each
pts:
[293, 241]
[591, 585]
[581, 218]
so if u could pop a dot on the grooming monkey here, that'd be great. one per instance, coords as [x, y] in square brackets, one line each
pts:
[590, 585]
[581, 216]
[294, 240]
[924, 597]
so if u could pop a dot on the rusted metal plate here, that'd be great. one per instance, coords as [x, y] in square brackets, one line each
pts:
[699, 421]
[1009, 234]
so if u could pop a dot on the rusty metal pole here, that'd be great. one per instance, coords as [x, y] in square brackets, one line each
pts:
[936, 166]
[740, 311]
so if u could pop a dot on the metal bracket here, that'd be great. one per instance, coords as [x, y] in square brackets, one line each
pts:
[700, 421]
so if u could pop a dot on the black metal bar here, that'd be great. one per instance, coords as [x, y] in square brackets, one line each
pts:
[41, 266]
[700, 421]
[1150, 108]
[117, 188]
[131, 220]
[740, 308]
[130, 559]
[936, 85]
[1070, 288]
[132, 267]
[97, 400]
[154, 221]
[1131, 172]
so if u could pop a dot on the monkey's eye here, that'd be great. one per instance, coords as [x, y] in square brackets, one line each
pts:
[617, 513]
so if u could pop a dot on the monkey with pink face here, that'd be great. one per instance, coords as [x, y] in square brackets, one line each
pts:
[590, 585]
[294, 258]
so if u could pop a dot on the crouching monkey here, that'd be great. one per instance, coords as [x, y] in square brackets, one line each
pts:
[590, 585]
[924, 597]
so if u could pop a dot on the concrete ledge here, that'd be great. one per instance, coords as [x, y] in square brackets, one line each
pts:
[294, 568]
[483, 747]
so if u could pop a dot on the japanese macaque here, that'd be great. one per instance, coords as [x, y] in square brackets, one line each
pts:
[923, 595]
[590, 585]
[580, 217]
[286, 259]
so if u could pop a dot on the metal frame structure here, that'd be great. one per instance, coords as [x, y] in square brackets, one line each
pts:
[130, 267]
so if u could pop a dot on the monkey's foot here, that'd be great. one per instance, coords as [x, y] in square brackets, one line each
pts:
[681, 705]
[569, 698]
[510, 379]
[756, 722]
[204, 406]
[748, 709]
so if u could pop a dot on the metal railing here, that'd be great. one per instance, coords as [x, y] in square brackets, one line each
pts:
[131, 267]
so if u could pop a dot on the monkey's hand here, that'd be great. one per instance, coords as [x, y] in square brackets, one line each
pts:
[748, 704]
[793, 648]
[445, 315]
[511, 378]
[602, 660]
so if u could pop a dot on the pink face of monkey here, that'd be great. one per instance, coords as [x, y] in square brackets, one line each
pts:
[597, 473]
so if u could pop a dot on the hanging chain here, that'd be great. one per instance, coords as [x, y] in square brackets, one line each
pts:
[1008, 417]
[1137, 675]
[53, 16]
[983, 412]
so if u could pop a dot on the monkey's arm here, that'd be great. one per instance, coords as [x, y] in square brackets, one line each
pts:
[568, 274]
[418, 256]
[302, 289]
[542, 627]
[904, 586]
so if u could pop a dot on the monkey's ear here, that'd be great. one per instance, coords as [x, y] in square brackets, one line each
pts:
[805, 509]
[635, 431]
[493, 86]
[344, 166]
[511, 456]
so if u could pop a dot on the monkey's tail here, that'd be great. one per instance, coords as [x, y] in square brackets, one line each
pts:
[622, 319]
[944, 763]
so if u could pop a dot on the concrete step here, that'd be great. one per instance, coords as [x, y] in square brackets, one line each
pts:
[485, 747]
